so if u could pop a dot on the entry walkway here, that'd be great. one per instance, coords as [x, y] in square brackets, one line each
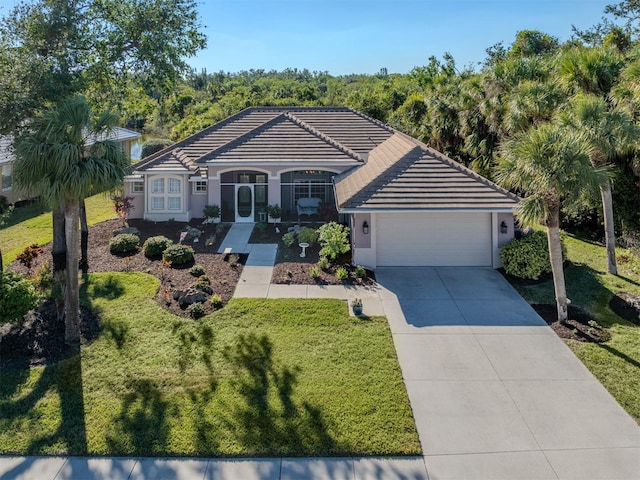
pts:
[237, 238]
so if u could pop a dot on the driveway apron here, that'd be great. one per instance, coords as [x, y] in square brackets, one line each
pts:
[495, 393]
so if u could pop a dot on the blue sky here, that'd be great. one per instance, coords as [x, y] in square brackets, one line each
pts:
[362, 36]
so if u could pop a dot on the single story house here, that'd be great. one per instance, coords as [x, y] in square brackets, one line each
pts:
[122, 135]
[406, 204]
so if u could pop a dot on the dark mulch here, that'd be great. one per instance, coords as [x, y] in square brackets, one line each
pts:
[525, 282]
[39, 338]
[291, 269]
[627, 306]
[581, 326]
[222, 273]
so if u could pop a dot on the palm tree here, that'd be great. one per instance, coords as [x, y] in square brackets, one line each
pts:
[52, 155]
[611, 133]
[590, 70]
[550, 166]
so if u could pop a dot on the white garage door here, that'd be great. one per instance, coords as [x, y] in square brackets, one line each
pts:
[433, 239]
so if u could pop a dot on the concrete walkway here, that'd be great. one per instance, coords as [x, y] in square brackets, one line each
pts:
[237, 238]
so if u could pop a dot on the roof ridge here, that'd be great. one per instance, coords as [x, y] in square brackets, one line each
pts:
[178, 145]
[323, 136]
[236, 140]
[401, 163]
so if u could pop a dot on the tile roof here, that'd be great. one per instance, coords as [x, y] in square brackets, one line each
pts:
[276, 134]
[392, 171]
[404, 174]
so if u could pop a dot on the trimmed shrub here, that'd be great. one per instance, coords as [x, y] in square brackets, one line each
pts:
[178, 254]
[334, 239]
[288, 239]
[526, 257]
[342, 273]
[17, 296]
[315, 272]
[202, 283]
[155, 246]
[124, 243]
[196, 310]
[197, 270]
[323, 263]
[308, 235]
[216, 300]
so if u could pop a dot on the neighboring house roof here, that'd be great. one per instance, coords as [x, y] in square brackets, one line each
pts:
[275, 135]
[6, 149]
[404, 174]
[118, 134]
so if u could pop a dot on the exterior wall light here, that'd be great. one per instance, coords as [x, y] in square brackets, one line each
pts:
[503, 227]
[365, 227]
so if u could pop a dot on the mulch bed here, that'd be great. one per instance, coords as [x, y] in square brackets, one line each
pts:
[581, 326]
[291, 269]
[627, 306]
[39, 339]
[223, 274]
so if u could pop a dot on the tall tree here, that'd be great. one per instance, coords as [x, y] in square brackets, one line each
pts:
[52, 156]
[53, 49]
[611, 134]
[551, 166]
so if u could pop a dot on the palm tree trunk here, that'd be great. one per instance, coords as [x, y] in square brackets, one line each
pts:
[59, 253]
[609, 231]
[59, 250]
[72, 293]
[84, 239]
[555, 255]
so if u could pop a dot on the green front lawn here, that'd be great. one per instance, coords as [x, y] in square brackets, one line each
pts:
[33, 224]
[260, 377]
[616, 363]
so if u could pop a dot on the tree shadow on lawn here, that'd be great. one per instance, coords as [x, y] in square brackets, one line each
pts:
[65, 378]
[262, 424]
[586, 289]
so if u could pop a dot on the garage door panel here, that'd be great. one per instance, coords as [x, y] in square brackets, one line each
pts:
[434, 239]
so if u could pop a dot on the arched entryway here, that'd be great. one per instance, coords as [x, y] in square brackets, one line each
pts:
[244, 196]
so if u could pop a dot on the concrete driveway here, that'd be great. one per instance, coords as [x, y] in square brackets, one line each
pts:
[495, 393]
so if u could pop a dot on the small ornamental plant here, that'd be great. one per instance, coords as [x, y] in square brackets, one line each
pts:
[274, 211]
[197, 270]
[29, 255]
[122, 205]
[211, 211]
[334, 239]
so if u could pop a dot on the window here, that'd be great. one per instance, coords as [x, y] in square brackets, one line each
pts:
[199, 187]
[157, 185]
[157, 203]
[137, 187]
[7, 180]
[174, 185]
[166, 194]
[174, 203]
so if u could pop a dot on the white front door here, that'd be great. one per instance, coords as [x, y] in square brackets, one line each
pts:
[244, 203]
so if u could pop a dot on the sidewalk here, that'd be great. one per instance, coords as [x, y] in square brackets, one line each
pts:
[93, 468]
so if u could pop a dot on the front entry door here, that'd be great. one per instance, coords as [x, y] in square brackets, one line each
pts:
[244, 203]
